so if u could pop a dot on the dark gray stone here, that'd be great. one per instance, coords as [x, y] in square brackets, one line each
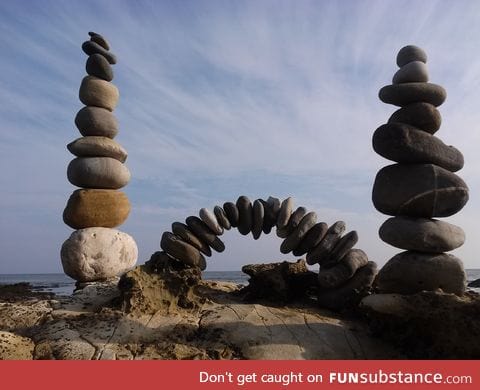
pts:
[90, 47]
[295, 237]
[474, 283]
[181, 230]
[222, 217]
[99, 39]
[344, 270]
[405, 144]
[98, 66]
[412, 272]
[413, 72]
[284, 214]
[232, 213]
[408, 93]
[411, 53]
[423, 116]
[182, 251]
[421, 234]
[211, 220]
[257, 223]
[293, 222]
[245, 215]
[320, 253]
[203, 232]
[342, 247]
[420, 190]
[271, 208]
[311, 239]
[96, 121]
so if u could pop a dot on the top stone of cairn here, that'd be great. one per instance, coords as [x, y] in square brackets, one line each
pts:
[411, 53]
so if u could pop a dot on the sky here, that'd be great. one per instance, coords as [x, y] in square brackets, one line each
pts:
[220, 99]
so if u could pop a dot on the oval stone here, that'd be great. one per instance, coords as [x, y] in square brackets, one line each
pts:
[211, 221]
[97, 38]
[98, 172]
[98, 253]
[232, 213]
[182, 251]
[90, 208]
[336, 276]
[181, 230]
[321, 252]
[245, 215]
[405, 144]
[99, 67]
[271, 208]
[412, 272]
[408, 93]
[423, 116]
[418, 190]
[96, 121]
[411, 53]
[257, 222]
[91, 47]
[222, 217]
[413, 72]
[204, 233]
[97, 147]
[299, 232]
[286, 209]
[421, 234]
[311, 239]
[99, 93]
[342, 247]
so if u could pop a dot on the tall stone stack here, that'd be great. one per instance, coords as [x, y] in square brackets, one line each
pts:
[421, 185]
[96, 251]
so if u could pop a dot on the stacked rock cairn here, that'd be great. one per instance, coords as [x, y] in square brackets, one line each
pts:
[421, 185]
[95, 251]
[342, 268]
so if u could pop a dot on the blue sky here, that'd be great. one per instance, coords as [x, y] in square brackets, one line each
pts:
[220, 99]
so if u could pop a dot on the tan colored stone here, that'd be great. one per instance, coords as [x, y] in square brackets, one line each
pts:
[97, 147]
[15, 347]
[99, 93]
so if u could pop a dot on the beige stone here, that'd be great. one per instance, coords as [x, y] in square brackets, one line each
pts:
[97, 92]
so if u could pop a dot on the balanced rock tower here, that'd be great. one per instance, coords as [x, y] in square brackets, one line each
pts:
[421, 185]
[95, 251]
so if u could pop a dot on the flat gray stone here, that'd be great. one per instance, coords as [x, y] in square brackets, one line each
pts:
[245, 215]
[311, 239]
[411, 53]
[96, 121]
[423, 116]
[258, 215]
[342, 271]
[90, 47]
[408, 93]
[413, 72]
[182, 251]
[293, 222]
[98, 172]
[232, 213]
[412, 272]
[204, 233]
[418, 190]
[405, 144]
[211, 221]
[93, 146]
[321, 252]
[421, 234]
[299, 232]
[222, 217]
[342, 247]
[99, 39]
[181, 230]
[286, 209]
[98, 66]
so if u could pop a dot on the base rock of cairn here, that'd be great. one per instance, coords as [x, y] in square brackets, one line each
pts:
[421, 185]
[96, 251]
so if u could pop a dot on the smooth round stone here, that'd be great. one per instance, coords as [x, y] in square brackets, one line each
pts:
[211, 221]
[181, 230]
[296, 236]
[222, 217]
[421, 234]
[97, 147]
[423, 116]
[311, 239]
[411, 53]
[293, 222]
[98, 172]
[98, 253]
[90, 48]
[286, 209]
[90, 208]
[96, 121]
[321, 252]
[204, 233]
[99, 93]
[99, 67]
[413, 72]
[232, 213]
[245, 215]
[99, 39]
[419, 190]
[257, 222]
[412, 272]
[182, 251]
[408, 93]
[344, 270]
[405, 144]
[342, 247]
[271, 209]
